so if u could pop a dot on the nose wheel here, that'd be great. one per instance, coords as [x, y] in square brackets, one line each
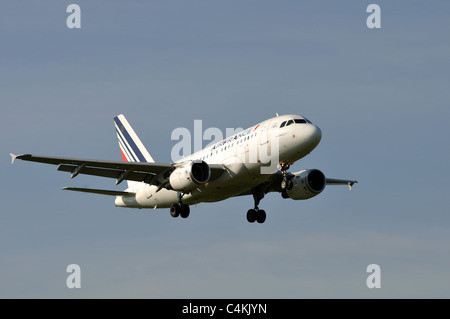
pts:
[286, 182]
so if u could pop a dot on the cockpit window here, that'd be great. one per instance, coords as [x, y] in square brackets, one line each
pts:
[296, 121]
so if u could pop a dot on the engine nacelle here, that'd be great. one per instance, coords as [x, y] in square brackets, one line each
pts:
[306, 184]
[189, 176]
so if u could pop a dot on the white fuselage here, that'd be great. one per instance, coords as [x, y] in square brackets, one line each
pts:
[247, 157]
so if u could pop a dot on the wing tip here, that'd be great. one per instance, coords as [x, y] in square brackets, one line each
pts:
[13, 157]
[21, 156]
[350, 184]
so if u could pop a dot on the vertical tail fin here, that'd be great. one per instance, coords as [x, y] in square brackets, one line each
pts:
[131, 147]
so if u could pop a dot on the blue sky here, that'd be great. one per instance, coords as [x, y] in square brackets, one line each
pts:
[379, 96]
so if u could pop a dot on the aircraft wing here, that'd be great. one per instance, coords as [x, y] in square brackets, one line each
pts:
[274, 184]
[334, 181]
[150, 173]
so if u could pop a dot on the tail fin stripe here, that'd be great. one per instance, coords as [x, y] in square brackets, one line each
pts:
[125, 147]
[121, 128]
[133, 155]
[124, 158]
[131, 147]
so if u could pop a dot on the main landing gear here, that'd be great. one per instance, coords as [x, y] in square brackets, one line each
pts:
[180, 209]
[256, 214]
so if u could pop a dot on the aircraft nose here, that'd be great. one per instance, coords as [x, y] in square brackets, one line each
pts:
[316, 134]
[310, 136]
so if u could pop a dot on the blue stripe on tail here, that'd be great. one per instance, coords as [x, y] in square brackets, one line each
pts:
[122, 143]
[129, 141]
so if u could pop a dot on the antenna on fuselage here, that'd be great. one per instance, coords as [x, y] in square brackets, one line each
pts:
[277, 114]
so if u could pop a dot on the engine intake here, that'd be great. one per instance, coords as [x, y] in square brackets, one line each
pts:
[306, 184]
[189, 176]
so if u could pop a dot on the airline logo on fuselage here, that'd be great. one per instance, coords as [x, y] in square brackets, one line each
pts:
[234, 137]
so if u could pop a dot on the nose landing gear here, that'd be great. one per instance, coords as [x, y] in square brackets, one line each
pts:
[286, 182]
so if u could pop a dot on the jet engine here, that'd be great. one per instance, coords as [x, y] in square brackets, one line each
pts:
[189, 176]
[306, 184]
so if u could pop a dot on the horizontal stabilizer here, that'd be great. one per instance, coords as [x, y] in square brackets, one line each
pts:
[98, 191]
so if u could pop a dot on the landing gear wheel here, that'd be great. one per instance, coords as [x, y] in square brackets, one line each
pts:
[251, 215]
[283, 185]
[175, 210]
[290, 184]
[257, 214]
[184, 211]
[286, 184]
[260, 216]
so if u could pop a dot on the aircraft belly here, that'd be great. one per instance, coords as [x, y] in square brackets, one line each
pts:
[149, 198]
[223, 189]
[236, 180]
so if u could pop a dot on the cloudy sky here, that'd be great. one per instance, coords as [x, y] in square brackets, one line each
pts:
[380, 96]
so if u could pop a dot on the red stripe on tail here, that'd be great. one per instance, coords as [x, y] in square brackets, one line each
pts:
[124, 158]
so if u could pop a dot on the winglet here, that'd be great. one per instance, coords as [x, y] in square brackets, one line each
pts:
[350, 184]
[13, 157]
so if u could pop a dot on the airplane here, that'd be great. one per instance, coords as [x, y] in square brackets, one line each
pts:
[231, 167]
